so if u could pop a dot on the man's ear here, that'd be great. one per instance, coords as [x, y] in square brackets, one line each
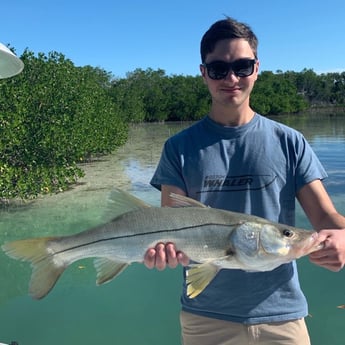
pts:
[257, 65]
[203, 72]
[256, 71]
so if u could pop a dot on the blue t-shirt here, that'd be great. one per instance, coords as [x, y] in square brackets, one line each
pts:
[257, 169]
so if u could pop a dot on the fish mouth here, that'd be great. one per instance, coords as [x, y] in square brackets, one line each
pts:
[310, 246]
[318, 246]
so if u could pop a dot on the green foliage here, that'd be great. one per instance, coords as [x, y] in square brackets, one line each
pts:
[142, 96]
[276, 94]
[52, 117]
[188, 98]
[327, 89]
[152, 96]
[129, 101]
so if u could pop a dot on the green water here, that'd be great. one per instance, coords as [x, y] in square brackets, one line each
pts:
[141, 306]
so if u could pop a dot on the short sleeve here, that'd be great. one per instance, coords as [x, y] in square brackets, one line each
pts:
[309, 167]
[169, 169]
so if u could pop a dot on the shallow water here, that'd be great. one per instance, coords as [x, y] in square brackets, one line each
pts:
[142, 306]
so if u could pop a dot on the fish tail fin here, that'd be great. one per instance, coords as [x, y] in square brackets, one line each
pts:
[46, 268]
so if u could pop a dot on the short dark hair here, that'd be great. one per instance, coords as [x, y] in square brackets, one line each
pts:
[228, 28]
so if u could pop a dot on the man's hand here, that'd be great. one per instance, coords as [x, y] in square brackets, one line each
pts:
[163, 255]
[332, 255]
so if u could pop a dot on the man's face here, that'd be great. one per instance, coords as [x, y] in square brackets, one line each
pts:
[231, 91]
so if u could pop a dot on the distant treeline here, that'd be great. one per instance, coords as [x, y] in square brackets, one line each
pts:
[55, 115]
[153, 96]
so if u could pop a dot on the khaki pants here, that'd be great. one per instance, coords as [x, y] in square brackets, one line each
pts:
[199, 330]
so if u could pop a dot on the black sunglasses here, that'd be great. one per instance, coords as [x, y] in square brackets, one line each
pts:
[217, 70]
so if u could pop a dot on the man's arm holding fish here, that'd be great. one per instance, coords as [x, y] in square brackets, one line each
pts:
[324, 218]
[317, 205]
[166, 254]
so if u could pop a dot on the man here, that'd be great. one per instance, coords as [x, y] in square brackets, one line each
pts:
[10, 65]
[238, 160]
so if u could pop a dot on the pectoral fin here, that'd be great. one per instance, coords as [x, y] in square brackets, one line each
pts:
[198, 277]
[108, 269]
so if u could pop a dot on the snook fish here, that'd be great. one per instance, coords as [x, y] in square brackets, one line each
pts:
[213, 239]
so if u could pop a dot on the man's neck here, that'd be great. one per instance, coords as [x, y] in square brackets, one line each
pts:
[231, 117]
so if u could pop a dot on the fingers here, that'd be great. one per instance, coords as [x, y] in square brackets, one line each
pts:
[182, 258]
[150, 258]
[331, 263]
[163, 255]
[329, 257]
[329, 260]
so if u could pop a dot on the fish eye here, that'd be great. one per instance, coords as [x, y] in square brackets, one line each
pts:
[288, 233]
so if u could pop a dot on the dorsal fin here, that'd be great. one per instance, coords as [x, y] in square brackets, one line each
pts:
[120, 202]
[183, 201]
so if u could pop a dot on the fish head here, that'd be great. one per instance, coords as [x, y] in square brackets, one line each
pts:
[287, 241]
[265, 246]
